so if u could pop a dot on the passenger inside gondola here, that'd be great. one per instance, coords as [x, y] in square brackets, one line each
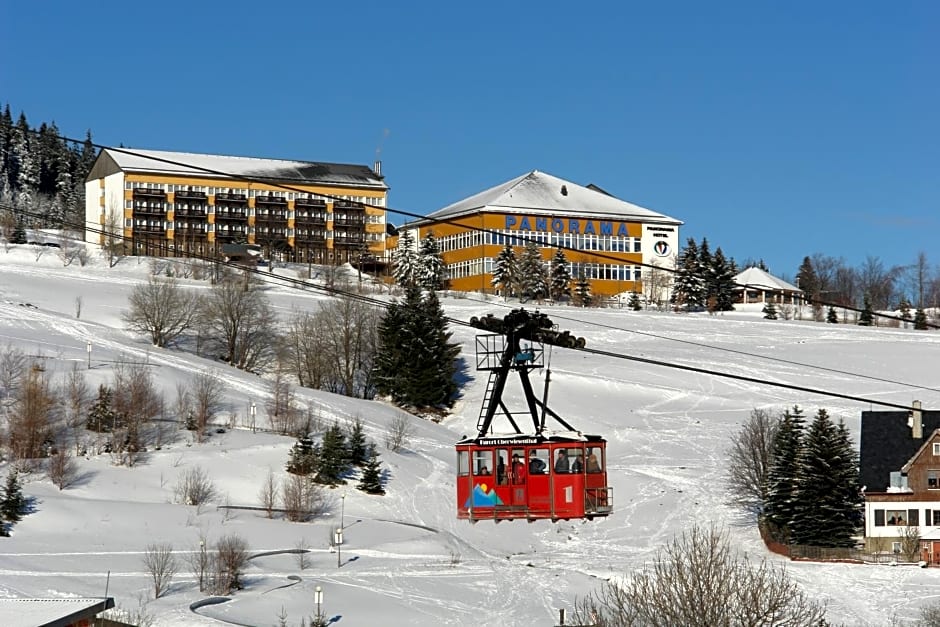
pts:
[518, 468]
[561, 462]
[593, 463]
[501, 470]
[536, 465]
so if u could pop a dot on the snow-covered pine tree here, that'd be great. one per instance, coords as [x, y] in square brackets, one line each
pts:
[101, 416]
[14, 503]
[303, 457]
[357, 448]
[769, 310]
[866, 318]
[722, 281]
[831, 316]
[432, 364]
[807, 280]
[905, 308]
[405, 260]
[782, 478]
[505, 271]
[634, 302]
[533, 282]
[920, 319]
[371, 481]
[582, 291]
[688, 286]
[431, 270]
[560, 287]
[392, 358]
[332, 463]
[704, 271]
[827, 494]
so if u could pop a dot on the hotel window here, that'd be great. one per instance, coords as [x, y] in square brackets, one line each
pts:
[936, 448]
[637, 245]
[932, 480]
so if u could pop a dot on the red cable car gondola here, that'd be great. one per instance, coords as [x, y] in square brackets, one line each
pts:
[554, 475]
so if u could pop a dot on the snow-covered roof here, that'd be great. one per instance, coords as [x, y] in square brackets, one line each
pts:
[538, 192]
[755, 278]
[31, 612]
[194, 164]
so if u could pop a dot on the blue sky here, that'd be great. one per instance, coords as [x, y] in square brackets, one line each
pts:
[776, 130]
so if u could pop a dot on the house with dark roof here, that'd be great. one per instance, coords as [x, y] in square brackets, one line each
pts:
[899, 471]
[54, 612]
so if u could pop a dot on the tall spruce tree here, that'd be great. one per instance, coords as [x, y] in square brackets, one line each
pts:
[769, 310]
[634, 302]
[582, 291]
[14, 503]
[419, 370]
[505, 271]
[101, 416]
[831, 316]
[561, 276]
[303, 457]
[827, 496]
[430, 270]
[405, 260]
[866, 318]
[688, 286]
[332, 462]
[357, 448]
[533, 282]
[722, 281]
[807, 280]
[781, 503]
[371, 481]
[920, 319]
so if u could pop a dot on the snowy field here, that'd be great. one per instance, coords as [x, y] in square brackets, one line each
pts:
[407, 560]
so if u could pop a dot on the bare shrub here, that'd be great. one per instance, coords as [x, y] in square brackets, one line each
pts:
[32, 415]
[303, 499]
[283, 412]
[205, 394]
[750, 458]
[698, 580]
[13, 365]
[303, 554]
[910, 542]
[268, 495]
[161, 565]
[198, 560]
[62, 469]
[228, 564]
[194, 487]
[398, 433]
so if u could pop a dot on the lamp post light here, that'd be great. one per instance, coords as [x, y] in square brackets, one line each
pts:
[252, 412]
[318, 597]
[88, 350]
[342, 509]
[338, 541]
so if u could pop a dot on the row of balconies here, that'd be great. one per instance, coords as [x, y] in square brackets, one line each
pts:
[151, 192]
[241, 214]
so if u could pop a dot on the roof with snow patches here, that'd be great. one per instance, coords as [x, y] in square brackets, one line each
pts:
[755, 278]
[112, 160]
[538, 192]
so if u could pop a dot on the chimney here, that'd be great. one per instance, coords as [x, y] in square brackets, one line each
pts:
[377, 168]
[917, 421]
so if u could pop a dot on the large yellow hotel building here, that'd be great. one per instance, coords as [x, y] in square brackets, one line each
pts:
[176, 203]
[606, 239]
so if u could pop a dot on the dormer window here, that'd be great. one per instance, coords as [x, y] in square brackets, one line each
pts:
[936, 449]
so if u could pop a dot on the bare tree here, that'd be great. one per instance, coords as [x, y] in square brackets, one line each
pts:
[112, 238]
[206, 393]
[161, 309]
[161, 565]
[283, 412]
[240, 322]
[199, 560]
[398, 432]
[698, 580]
[750, 458]
[13, 364]
[302, 498]
[32, 416]
[657, 282]
[877, 282]
[302, 551]
[70, 247]
[269, 493]
[194, 487]
[910, 542]
[351, 327]
[227, 564]
[62, 469]
[136, 402]
[307, 352]
[75, 395]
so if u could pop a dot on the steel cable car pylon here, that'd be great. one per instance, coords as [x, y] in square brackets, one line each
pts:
[517, 475]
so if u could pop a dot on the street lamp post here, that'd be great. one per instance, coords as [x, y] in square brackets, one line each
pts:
[88, 350]
[318, 597]
[252, 412]
[338, 541]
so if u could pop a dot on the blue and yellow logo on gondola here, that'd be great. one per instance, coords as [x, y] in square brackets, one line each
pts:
[483, 496]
